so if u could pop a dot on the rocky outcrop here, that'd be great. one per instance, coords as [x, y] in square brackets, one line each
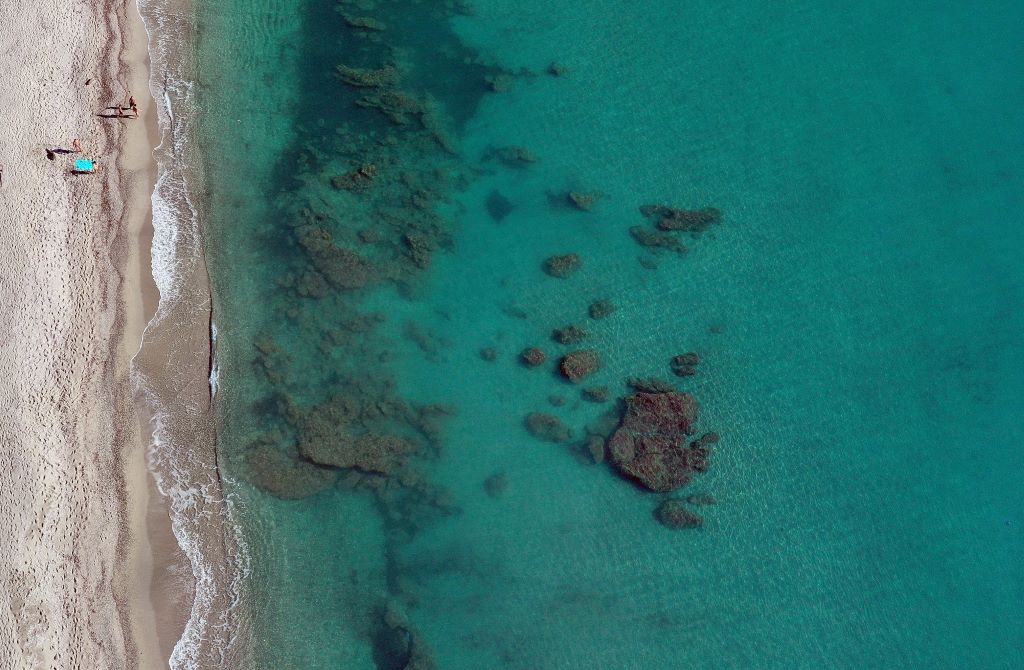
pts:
[547, 427]
[583, 201]
[599, 309]
[685, 365]
[688, 220]
[571, 334]
[653, 239]
[576, 365]
[648, 445]
[532, 357]
[285, 476]
[562, 266]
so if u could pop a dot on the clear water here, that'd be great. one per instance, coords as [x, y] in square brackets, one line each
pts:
[857, 316]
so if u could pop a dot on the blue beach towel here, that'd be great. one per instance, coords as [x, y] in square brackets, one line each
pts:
[83, 165]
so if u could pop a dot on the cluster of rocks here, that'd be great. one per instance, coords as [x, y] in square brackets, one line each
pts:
[667, 222]
[384, 168]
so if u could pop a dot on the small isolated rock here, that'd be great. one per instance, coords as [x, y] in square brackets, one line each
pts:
[489, 354]
[556, 400]
[596, 448]
[596, 394]
[557, 69]
[569, 335]
[532, 357]
[576, 365]
[563, 265]
[671, 513]
[685, 365]
[496, 484]
[514, 157]
[583, 201]
[547, 427]
[600, 309]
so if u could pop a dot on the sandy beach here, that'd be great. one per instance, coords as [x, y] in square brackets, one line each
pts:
[78, 514]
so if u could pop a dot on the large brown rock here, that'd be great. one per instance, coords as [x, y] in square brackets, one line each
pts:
[648, 445]
[576, 365]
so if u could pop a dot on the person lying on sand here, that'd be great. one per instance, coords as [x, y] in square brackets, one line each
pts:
[76, 145]
[1, 174]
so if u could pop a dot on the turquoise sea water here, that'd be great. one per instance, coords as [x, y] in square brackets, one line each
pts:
[857, 316]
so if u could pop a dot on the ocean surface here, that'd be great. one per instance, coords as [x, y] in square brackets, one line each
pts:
[383, 181]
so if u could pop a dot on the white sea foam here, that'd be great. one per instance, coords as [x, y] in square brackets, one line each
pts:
[219, 561]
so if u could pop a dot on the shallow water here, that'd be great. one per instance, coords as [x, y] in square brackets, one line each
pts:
[855, 314]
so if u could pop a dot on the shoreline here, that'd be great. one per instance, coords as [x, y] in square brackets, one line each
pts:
[157, 616]
[203, 624]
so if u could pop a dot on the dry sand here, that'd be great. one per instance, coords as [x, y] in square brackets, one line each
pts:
[76, 510]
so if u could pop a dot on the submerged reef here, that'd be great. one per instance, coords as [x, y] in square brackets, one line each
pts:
[688, 220]
[548, 427]
[599, 309]
[672, 513]
[562, 266]
[668, 221]
[571, 334]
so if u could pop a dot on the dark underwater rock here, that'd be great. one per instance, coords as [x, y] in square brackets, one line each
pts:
[563, 265]
[685, 365]
[342, 268]
[650, 385]
[358, 179]
[599, 309]
[655, 240]
[284, 476]
[700, 499]
[557, 69]
[383, 77]
[595, 394]
[514, 157]
[364, 23]
[687, 220]
[496, 484]
[671, 513]
[396, 645]
[595, 447]
[532, 357]
[571, 334]
[583, 201]
[489, 354]
[368, 453]
[647, 447]
[576, 365]
[547, 427]
[498, 206]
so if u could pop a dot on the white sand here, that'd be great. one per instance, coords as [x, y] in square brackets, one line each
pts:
[73, 549]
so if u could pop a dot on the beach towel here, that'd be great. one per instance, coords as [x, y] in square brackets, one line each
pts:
[83, 165]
